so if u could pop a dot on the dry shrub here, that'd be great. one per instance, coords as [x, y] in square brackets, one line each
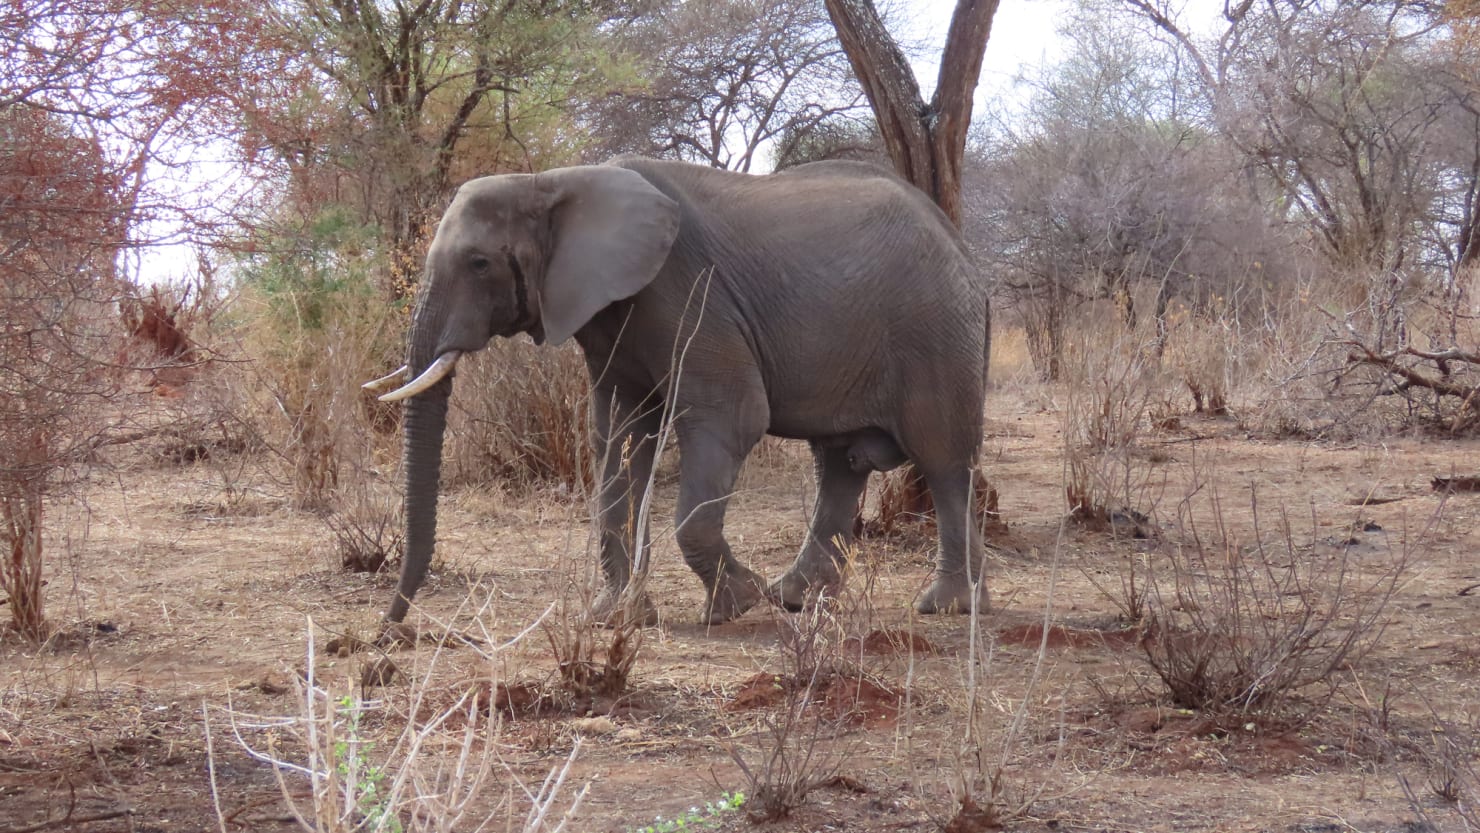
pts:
[904, 503]
[345, 763]
[1201, 346]
[367, 529]
[793, 746]
[595, 659]
[1242, 629]
[316, 327]
[985, 793]
[1451, 773]
[1043, 322]
[1010, 361]
[520, 417]
[1345, 359]
[1112, 386]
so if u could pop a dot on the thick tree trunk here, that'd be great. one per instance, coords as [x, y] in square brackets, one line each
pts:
[927, 142]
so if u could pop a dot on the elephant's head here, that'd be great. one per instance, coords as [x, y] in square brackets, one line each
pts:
[535, 253]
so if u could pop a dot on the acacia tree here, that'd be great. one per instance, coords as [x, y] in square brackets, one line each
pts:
[1110, 186]
[1335, 108]
[382, 108]
[1355, 121]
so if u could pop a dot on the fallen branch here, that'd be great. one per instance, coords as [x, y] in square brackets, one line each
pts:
[70, 820]
[1362, 354]
[1404, 378]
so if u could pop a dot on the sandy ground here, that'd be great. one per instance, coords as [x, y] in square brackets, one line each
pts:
[173, 610]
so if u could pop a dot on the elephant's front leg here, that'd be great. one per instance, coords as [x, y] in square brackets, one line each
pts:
[625, 444]
[710, 461]
[818, 569]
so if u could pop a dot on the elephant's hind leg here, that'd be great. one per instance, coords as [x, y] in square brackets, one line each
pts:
[818, 568]
[710, 456]
[959, 584]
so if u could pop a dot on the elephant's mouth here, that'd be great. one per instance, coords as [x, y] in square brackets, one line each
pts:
[525, 321]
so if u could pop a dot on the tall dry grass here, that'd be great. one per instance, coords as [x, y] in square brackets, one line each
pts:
[521, 418]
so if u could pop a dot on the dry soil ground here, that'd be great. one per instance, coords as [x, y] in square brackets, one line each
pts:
[172, 607]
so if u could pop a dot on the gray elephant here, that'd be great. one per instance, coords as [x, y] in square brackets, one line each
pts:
[831, 302]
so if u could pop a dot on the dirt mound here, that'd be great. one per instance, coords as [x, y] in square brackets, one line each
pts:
[1062, 636]
[888, 642]
[852, 699]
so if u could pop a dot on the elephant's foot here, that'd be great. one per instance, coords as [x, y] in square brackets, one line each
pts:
[610, 608]
[802, 585]
[737, 590]
[952, 593]
[395, 635]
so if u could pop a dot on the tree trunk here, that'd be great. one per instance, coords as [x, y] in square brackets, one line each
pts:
[927, 142]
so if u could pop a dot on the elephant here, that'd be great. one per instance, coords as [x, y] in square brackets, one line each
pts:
[830, 302]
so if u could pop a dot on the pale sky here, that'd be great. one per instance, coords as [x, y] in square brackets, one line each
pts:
[1024, 33]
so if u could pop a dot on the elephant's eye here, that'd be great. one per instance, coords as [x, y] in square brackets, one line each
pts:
[479, 263]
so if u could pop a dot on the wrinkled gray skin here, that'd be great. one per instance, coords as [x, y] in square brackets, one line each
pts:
[831, 302]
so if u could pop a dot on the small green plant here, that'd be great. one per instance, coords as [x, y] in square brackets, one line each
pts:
[708, 817]
[363, 780]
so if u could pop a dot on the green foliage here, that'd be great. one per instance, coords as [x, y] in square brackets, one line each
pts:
[363, 780]
[305, 275]
[317, 292]
[709, 817]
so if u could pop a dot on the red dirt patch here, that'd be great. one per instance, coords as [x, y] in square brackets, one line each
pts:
[854, 700]
[889, 642]
[1062, 636]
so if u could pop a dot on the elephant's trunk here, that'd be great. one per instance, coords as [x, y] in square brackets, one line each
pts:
[425, 423]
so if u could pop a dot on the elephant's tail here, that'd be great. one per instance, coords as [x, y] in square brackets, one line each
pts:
[986, 342]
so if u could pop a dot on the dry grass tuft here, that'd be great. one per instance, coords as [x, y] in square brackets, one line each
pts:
[793, 747]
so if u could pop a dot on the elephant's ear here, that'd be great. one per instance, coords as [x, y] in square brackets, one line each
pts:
[611, 233]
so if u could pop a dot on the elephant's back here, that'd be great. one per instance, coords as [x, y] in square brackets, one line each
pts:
[841, 279]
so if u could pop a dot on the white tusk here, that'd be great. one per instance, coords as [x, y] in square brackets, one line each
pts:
[386, 379]
[431, 376]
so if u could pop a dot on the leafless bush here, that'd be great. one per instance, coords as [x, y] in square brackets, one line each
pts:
[1439, 386]
[595, 659]
[1112, 382]
[985, 793]
[903, 503]
[1452, 775]
[1202, 346]
[1243, 628]
[520, 417]
[431, 768]
[794, 747]
[367, 529]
